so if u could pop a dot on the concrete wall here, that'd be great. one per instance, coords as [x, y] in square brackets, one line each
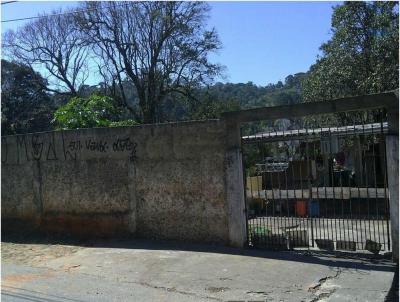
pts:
[155, 181]
[392, 158]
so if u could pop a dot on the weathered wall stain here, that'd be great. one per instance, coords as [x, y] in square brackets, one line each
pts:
[168, 181]
[4, 150]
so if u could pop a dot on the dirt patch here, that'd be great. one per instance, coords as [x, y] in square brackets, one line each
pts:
[17, 279]
[35, 254]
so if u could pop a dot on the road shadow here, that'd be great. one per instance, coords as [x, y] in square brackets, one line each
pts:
[350, 260]
[393, 294]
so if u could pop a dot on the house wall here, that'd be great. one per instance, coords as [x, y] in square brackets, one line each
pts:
[166, 181]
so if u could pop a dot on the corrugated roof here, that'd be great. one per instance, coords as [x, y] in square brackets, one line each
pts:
[318, 132]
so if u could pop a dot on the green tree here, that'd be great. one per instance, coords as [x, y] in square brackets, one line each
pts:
[209, 108]
[94, 111]
[362, 56]
[25, 105]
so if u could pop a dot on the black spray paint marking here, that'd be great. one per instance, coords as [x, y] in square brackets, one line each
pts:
[53, 155]
[99, 146]
[37, 147]
[21, 140]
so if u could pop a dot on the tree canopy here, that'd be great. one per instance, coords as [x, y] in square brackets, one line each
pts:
[161, 47]
[93, 111]
[362, 57]
[54, 44]
[25, 105]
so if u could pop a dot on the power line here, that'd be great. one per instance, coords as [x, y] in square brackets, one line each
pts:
[45, 16]
[7, 2]
[58, 14]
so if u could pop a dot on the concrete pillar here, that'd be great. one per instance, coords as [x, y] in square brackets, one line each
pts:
[235, 186]
[392, 155]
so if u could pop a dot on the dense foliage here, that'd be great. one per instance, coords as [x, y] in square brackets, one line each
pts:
[362, 56]
[218, 98]
[25, 105]
[94, 111]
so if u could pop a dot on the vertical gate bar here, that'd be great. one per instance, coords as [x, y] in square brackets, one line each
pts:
[349, 185]
[281, 218]
[308, 161]
[341, 218]
[326, 172]
[294, 185]
[285, 158]
[301, 219]
[287, 194]
[345, 221]
[357, 206]
[385, 186]
[264, 200]
[260, 229]
[318, 218]
[274, 221]
[280, 223]
[363, 206]
[262, 189]
[341, 196]
[381, 230]
[332, 182]
[252, 198]
[367, 189]
[325, 183]
[265, 219]
[365, 182]
[376, 221]
[359, 183]
[322, 218]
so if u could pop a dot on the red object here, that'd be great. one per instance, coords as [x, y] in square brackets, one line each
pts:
[301, 208]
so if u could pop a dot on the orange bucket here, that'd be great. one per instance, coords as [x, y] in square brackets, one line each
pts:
[301, 208]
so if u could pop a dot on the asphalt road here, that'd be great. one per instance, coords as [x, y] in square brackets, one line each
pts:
[165, 271]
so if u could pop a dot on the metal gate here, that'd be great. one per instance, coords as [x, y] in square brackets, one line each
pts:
[318, 182]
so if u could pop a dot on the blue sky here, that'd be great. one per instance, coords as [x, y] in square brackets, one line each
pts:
[263, 42]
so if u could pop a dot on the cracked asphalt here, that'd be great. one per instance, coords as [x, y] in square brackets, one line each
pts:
[138, 270]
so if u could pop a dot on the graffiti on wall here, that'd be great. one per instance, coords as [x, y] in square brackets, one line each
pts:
[43, 147]
[125, 144]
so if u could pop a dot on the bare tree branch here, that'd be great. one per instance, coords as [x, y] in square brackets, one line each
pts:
[55, 44]
[159, 46]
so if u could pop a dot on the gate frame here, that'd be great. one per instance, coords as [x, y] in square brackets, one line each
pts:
[235, 182]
